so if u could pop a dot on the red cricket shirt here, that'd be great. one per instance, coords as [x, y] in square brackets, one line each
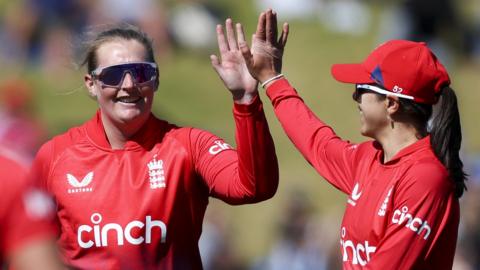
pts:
[399, 215]
[142, 207]
[25, 212]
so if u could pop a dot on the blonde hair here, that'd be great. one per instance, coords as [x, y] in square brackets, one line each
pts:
[96, 36]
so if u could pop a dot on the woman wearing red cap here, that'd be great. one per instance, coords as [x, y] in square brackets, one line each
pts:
[403, 187]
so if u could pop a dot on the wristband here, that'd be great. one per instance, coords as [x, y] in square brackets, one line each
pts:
[272, 79]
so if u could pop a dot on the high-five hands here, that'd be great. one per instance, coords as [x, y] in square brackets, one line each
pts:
[264, 61]
[239, 67]
[231, 66]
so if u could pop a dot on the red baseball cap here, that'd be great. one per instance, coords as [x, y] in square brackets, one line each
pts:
[400, 67]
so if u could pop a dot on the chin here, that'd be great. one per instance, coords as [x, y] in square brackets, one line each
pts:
[365, 132]
[127, 116]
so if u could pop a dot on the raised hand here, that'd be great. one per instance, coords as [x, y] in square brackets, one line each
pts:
[264, 61]
[231, 66]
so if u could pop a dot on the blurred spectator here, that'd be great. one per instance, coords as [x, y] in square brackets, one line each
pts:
[193, 25]
[17, 28]
[352, 17]
[292, 9]
[20, 132]
[437, 22]
[38, 32]
[467, 256]
[55, 55]
[215, 245]
[301, 244]
[70, 16]
[149, 15]
[476, 31]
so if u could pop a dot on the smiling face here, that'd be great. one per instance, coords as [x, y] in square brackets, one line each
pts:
[374, 117]
[128, 104]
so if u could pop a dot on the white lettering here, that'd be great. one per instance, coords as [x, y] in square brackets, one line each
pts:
[218, 147]
[425, 227]
[81, 229]
[96, 218]
[361, 248]
[115, 227]
[356, 250]
[128, 232]
[349, 244]
[150, 225]
[394, 217]
[369, 250]
[100, 233]
[414, 224]
[397, 89]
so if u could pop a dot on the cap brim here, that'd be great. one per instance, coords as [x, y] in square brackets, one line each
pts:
[351, 73]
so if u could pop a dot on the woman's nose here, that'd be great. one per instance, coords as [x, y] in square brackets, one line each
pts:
[128, 81]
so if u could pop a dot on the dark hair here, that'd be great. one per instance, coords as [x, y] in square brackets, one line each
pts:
[446, 138]
[93, 38]
[445, 131]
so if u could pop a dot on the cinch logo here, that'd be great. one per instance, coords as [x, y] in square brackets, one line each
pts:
[360, 252]
[100, 233]
[218, 147]
[415, 224]
[80, 186]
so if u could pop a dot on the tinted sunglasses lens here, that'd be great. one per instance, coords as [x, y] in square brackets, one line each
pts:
[112, 75]
[143, 73]
[357, 94]
[140, 72]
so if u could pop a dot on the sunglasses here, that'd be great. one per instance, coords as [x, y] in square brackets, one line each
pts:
[112, 76]
[363, 88]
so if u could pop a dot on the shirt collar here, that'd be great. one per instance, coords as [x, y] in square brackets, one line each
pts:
[146, 137]
[422, 144]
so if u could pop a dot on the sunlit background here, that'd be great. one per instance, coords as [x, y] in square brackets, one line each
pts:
[42, 94]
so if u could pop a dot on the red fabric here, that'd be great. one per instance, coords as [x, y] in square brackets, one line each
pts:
[376, 231]
[400, 66]
[25, 213]
[117, 189]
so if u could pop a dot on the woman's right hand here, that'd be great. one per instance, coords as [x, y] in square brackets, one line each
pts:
[264, 60]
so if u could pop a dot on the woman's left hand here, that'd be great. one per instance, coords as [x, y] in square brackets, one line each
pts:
[232, 68]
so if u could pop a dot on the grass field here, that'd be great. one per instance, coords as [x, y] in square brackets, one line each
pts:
[191, 94]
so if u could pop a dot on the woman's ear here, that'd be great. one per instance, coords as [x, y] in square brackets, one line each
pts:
[90, 84]
[393, 104]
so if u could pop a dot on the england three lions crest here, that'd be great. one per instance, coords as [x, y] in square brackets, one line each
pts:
[156, 173]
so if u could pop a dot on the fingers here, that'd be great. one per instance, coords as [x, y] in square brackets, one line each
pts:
[261, 27]
[232, 43]
[222, 43]
[269, 27]
[274, 27]
[240, 34]
[246, 53]
[284, 36]
[215, 62]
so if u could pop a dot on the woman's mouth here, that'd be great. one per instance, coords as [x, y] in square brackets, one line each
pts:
[128, 99]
